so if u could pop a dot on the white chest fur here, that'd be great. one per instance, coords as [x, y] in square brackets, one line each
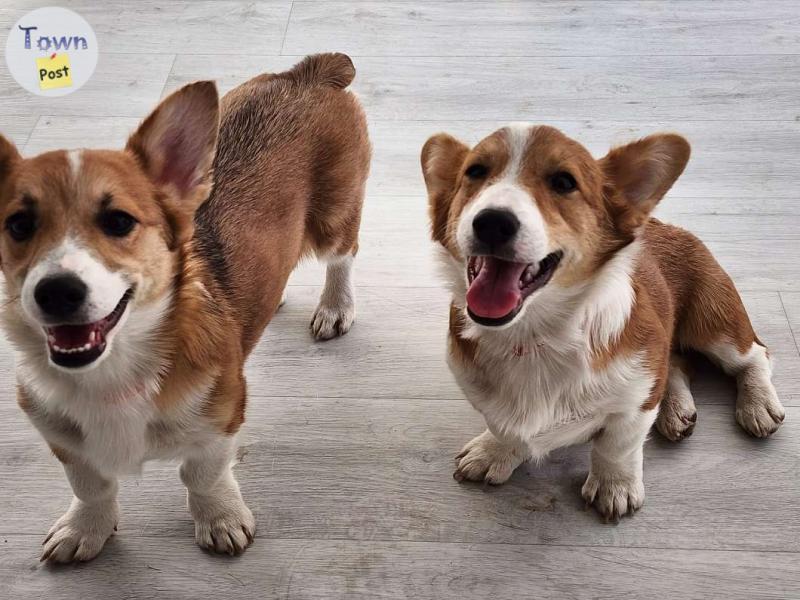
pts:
[550, 399]
[535, 380]
[116, 432]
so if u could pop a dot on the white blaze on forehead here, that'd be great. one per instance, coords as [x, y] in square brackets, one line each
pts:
[517, 137]
[74, 158]
[105, 287]
[531, 243]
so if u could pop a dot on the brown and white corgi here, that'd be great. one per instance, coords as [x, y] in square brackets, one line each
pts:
[137, 285]
[571, 305]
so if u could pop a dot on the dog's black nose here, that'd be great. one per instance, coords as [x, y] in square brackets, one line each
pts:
[495, 226]
[60, 295]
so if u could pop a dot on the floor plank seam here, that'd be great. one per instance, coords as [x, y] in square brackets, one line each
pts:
[263, 538]
[30, 133]
[169, 75]
[432, 399]
[286, 29]
[789, 323]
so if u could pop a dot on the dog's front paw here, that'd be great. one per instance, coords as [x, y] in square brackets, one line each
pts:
[487, 459]
[329, 322]
[81, 532]
[223, 525]
[613, 496]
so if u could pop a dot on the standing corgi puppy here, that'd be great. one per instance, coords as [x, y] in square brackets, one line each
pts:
[139, 280]
[571, 305]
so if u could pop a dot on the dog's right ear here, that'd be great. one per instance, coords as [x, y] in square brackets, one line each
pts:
[8, 158]
[442, 159]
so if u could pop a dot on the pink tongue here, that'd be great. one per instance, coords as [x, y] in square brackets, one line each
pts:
[495, 290]
[71, 336]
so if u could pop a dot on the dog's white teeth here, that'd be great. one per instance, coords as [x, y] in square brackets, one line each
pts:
[57, 348]
[528, 275]
[91, 338]
[86, 347]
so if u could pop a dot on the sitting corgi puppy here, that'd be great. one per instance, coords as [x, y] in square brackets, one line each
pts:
[571, 305]
[139, 280]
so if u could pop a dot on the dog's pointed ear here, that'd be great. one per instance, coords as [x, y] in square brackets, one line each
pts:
[639, 174]
[175, 144]
[442, 158]
[9, 156]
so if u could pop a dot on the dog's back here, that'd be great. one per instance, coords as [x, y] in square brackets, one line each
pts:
[291, 164]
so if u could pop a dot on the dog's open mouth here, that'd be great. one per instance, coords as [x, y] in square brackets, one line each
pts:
[498, 288]
[75, 346]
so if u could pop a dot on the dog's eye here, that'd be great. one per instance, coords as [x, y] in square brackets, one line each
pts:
[116, 223]
[476, 171]
[563, 182]
[21, 225]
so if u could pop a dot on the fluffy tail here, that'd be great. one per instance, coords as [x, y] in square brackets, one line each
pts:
[332, 68]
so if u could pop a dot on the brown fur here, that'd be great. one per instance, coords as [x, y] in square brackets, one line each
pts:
[462, 349]
[683, 298]
[288, 177]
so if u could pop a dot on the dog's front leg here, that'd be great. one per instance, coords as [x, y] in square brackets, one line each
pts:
[92, 518]
[223, 523]
[615, 486]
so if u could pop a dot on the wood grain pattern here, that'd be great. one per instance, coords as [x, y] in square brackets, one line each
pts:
[554, 89]
[367, 469]
[347, 452]
[749, 163]
[543, 28]
[791, 305]
[738, 159]
[17, 128]
[153, 27]
[321, 570]
[126, 85]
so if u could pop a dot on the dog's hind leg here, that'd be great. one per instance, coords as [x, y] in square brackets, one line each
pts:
[716, 323]
[677, 414]
[337, 307]
[758, 409]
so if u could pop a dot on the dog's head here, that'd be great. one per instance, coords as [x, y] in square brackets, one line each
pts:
[528, 209]
[91, 239]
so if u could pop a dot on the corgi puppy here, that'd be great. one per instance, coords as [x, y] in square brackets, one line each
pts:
[138, 281]
[571, 306]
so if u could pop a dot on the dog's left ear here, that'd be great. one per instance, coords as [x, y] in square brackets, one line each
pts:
[442, 158]
[175, 146]
[639, 174]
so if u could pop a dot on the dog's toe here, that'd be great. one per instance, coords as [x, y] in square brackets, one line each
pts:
[485, 458]
[330, 322]
[613, 498]
[228, 531]
[81, 533]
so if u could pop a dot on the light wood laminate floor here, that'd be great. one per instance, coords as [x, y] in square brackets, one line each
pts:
[347, 453]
